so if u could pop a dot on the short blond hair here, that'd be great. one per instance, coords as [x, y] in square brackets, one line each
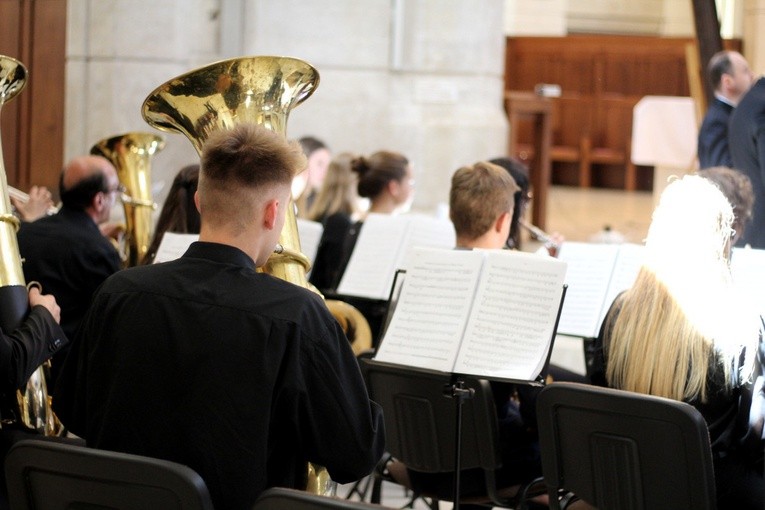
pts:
[235, 162]
[479, 195]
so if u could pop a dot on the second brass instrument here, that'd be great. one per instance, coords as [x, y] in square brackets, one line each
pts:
[131, 154]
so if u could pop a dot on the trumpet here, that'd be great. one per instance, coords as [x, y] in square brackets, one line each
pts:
[24, 198]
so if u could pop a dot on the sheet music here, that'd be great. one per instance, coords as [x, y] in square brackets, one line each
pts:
[382, 247]
[310, 236]
[626, 268]
[431, 314]
[173, 245]
[372, 264]
[588, 276]
[510, 329]
[748, 271]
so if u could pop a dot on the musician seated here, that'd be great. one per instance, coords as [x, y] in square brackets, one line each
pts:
[21, 352]
[520, 174]
[178, 214]
[66, 252]
[205, 361]
[682, 331]
[385, 178]
[481, 203]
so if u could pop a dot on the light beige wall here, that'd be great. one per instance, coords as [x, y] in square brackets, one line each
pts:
[754, 37]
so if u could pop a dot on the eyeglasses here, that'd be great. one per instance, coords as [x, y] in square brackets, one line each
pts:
[119, 189]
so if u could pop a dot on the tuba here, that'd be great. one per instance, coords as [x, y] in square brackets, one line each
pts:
[32, 407]
[259, 90]
[131, 154]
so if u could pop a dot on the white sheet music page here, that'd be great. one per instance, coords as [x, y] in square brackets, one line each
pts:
[626, 268]
[511, 326]
[174, 245]
[425, 231]
[588, 276]
[431, 315]
[309, 233]
[373, 262]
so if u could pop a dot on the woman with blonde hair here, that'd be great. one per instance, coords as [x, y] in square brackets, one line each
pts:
[682, 332]
[335, 208]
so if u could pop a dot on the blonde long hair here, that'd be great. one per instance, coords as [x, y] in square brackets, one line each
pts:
[338, 192]
[681, 318]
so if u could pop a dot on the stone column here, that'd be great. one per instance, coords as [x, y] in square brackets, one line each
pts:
[754, 38]
[424, 78]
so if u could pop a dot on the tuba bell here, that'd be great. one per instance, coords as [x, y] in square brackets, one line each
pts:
[32, 406]
[259, 90]
[131, 154]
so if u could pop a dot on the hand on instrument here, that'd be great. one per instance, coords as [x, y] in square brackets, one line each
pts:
[46, 300]
[554, 244]
[39, 203]
[112, 230]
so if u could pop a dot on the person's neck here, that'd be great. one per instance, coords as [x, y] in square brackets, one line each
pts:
[486, 242]
[383, 205]
[222, 236]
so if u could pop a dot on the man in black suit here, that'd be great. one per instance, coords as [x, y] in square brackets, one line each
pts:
[729, 74]
[66, 252]
[747, 147]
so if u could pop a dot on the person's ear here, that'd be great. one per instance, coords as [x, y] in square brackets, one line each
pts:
[270, 214]
[98, 201]
[503, 221]
[196, 201]
[394, 188]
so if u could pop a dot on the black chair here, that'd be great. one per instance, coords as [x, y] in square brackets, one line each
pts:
[420, 429]
[291, 499]
[622, 450]
[53, 476]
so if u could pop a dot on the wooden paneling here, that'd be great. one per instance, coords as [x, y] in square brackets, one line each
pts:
[601, 77]
[34, 32]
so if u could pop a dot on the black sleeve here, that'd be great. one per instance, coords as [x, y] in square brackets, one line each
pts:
[343, 429]
[331, 252]
[25, 349]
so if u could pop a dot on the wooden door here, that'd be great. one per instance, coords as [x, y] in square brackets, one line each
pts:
[32, 124]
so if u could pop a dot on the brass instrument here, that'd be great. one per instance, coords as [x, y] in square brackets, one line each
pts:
[34, 409]
[259, 90]
[131, 153]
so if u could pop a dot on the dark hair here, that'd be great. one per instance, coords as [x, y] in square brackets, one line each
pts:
[719, 65]
[377, 170]
[179, 212]
[737, 188]
[80, 196]
[310, 144]
[520, 174]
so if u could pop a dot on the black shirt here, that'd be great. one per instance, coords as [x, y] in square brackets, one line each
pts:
[237, 374]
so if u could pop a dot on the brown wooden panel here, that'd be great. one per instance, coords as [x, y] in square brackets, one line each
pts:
[47, 81]
[34, 32]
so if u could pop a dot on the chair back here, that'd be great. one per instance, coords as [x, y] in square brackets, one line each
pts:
[619, 450]
[279, 498]
[44, 475]
[420, 420]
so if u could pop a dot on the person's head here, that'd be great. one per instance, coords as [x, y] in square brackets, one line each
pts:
[682, 315]
[385, 178]
[481, 205]
[520, 174]
[90, 184]
[179, 212]
[319, 156]
[737, 188]
[244, 187]
[338, 193]
[730, 75]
